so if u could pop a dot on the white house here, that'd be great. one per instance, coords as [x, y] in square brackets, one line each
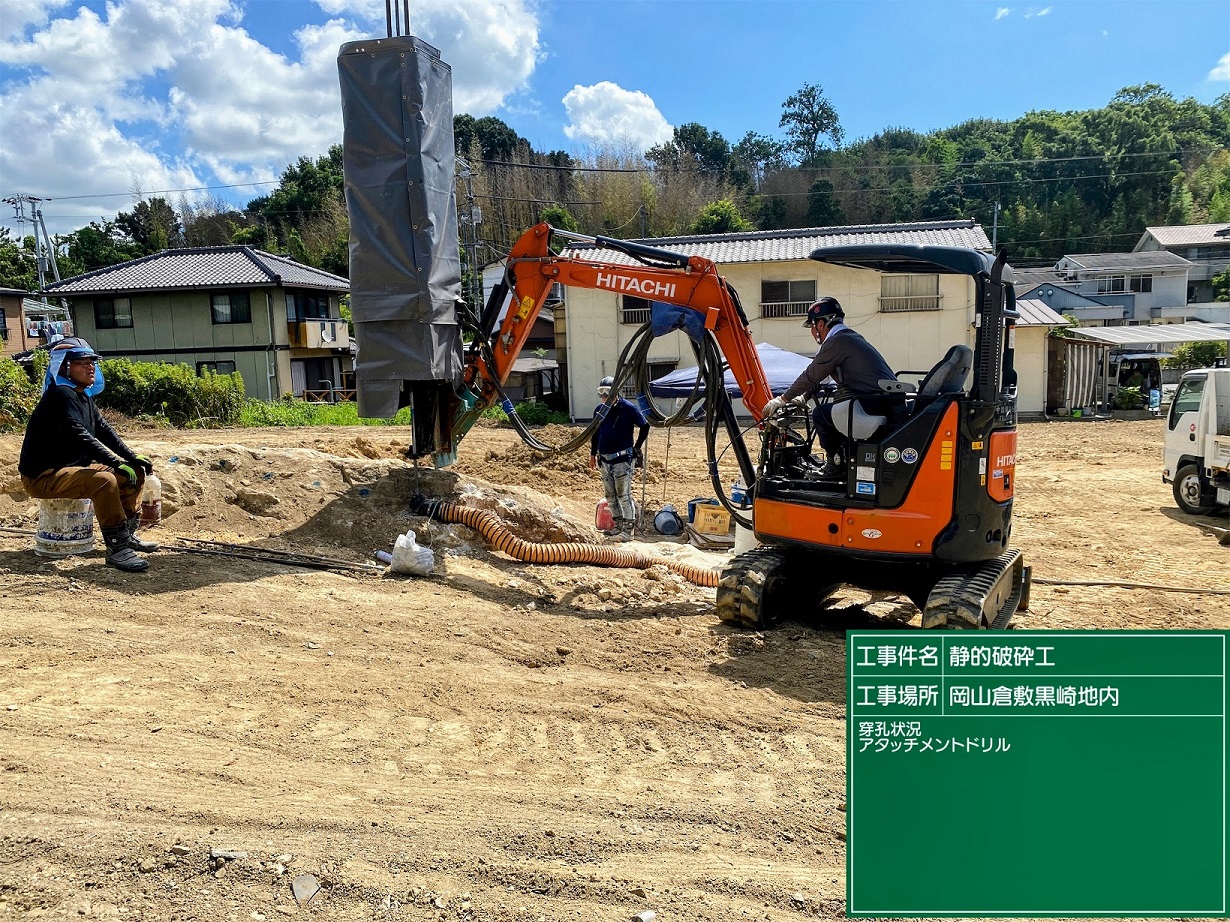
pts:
[1133, 288]
[912, 319]
[1207, 248]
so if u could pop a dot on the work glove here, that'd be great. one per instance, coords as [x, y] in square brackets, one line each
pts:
[127, 471]
[773, 406]
[638, 458]
[143, 462]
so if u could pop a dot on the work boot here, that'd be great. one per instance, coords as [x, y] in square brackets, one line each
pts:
[134, 522]
[119, 552]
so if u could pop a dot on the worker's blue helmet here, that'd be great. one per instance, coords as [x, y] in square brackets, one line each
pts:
[826, 310]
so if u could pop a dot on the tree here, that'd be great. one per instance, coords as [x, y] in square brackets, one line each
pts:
[755, 156]
[692, 146]
[1195, 355]
[561, 217]
[96, 246]
[808, 117]
[720, 217]
[152, 226]
[1221, 285]
[823, 209]
[18, 265]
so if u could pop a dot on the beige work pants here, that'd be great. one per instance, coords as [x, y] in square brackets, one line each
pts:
[115, 499]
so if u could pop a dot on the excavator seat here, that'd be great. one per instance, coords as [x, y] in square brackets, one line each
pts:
[850, 418]
[947, 377]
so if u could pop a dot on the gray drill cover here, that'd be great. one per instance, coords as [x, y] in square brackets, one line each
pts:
[405, 265]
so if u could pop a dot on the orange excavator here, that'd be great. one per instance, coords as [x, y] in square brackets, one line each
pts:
[926, 508]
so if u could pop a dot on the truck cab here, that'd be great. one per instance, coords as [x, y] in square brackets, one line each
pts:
[1196, 455]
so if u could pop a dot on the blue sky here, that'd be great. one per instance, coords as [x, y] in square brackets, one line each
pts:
[101, 102]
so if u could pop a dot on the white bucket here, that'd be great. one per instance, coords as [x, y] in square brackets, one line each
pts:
[745, 539]
[65, 527]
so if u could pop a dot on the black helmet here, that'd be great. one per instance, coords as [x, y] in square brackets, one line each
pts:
[608, 381]
[826, 310]
[74, 347]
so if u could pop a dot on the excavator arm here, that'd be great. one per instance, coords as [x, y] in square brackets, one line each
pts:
[689, 282]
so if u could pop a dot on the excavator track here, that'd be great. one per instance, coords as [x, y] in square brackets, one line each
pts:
[985, 597]
[750, 593]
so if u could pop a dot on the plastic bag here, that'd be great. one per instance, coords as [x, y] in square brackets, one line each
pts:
[411, 558]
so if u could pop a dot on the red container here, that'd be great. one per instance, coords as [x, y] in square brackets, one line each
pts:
[603, 520]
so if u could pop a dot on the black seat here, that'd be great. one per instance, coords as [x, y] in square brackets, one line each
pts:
[947, 377]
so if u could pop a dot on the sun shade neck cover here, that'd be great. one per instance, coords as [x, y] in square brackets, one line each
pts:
[405, 266]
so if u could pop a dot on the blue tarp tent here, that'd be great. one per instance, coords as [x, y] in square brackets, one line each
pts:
[780, 367]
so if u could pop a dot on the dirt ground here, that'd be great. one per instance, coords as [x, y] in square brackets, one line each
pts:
[498, 741]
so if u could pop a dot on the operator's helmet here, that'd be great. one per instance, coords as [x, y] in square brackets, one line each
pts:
[604, 387]
[826, 311]
[74, 347]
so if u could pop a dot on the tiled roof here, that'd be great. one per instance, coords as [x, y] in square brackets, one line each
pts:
[1025, 280]
[1151, 259]
[1189, 234]
[1035, 313]
[784, 245]
[14, 292]
[202, 267]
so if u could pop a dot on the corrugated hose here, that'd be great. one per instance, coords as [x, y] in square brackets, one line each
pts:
[490, 527]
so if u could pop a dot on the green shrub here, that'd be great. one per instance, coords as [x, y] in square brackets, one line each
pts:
[1128, 398]
[539, 414]
[176, 392]
[18, 395]
[290, 411]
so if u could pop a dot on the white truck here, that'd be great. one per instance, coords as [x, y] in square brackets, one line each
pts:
[1196, 456]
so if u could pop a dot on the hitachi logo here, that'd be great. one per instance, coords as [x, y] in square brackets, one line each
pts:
[646, 287]
[1006, 461]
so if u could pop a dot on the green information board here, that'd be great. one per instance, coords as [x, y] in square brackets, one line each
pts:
[1039, 773]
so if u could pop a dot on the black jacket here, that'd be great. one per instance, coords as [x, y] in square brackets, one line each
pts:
[65, 430]
[852, 362]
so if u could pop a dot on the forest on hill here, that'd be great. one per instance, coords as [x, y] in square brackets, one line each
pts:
[1049, 183]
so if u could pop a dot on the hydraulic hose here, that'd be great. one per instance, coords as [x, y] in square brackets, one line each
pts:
[490, 527]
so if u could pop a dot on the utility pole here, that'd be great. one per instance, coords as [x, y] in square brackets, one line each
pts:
[995, 229]
[44, 252]
[471, 217]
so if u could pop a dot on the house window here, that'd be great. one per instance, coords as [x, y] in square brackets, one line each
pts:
[217, 368]
[633, 310]
[786, 299]
[1113, 284]
[1142, 283]
[4, 327]
[910, 293]
[307, 305]
[231, 307]
[658, 369]
[112, 313]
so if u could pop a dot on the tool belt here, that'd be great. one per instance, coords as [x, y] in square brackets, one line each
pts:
[626, 455]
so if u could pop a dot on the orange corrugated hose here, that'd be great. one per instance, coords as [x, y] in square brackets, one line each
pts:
[490, 527]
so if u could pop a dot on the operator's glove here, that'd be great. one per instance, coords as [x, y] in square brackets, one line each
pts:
[127, 471]
[773, 406]
[143, 462]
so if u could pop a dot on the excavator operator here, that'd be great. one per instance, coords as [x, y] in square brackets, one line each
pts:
[853, 363]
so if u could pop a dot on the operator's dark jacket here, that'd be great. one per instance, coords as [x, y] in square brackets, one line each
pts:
[852, 362]
[65, 430]
[614, 434]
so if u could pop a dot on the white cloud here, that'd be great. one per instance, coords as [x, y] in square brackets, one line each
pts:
[20, 14]
[167, 94]
[1002, 12]
[1045, 11]
[1222, 70]
[606, 113]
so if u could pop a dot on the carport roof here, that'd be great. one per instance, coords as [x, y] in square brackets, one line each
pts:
[1035, 313]
[1155, 333]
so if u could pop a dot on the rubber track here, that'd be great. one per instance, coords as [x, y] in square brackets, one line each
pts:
[960, 596]
[490, 527]
[740, 596]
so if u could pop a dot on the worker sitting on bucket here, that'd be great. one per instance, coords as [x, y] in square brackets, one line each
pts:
[853, 363]
[612, 451]
[70, 452]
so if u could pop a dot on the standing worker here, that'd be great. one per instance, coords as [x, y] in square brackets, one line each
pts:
[612, 451]
[70, 452]
[853, 363]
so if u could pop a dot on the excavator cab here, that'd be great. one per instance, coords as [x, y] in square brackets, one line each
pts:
[926, 508]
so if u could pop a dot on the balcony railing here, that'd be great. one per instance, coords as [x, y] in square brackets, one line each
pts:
[329, 394]
[318, 334]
